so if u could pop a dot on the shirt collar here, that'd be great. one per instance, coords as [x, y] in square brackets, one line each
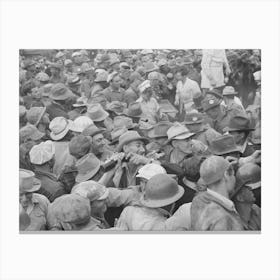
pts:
[226, 202]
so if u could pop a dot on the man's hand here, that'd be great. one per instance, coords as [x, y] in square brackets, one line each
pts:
[137, 159]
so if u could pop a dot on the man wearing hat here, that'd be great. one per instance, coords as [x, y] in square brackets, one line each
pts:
[132, 93]
[100, 83]
[232, 102]
[38, 117]
[218, 116]
[212, 210]
[56, 73]
[133, 146]
[60, 97]
[114, 92]
[34, 204]
[248, 178]
[74, 84]
[156, 205]
[61, 135]
[42, 160]
[196, 124]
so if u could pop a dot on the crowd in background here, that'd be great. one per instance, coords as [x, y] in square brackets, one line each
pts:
[140, 139]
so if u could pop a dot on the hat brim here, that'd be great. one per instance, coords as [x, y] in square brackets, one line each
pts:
[152, 134]
[228, 129]
[79, 105]
[195, 122]
[85, 177]
[254, 186]
[100, 119]
[65, 96]
[63, 133]
[41, 115]
[182, 136]
[105, 195]
[219, 153]
[36, 185]
[145, 140]
[163, 202]
[231, 93]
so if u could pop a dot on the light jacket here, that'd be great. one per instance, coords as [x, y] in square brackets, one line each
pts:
[211, 211]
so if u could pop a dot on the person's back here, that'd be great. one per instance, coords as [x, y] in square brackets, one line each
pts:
[210, 213]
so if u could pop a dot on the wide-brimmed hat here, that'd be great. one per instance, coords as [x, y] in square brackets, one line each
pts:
[80, 123]
[28, 182]
[178, 132]
[239, 123]
[116, 133]
[193, 118]
[42, 153]
[74, 80]
[149, 170]
[212, 169]
[161, 190]
[116, 106]
[59, 127]
[223, 144]
[81, 102]
[214, 92]
[87, 167]
[92, 130]
[60, 92]
[35, 114]
[91, 190]
[229, 91]
[150, 67]
[146, 52]
[159, 130]
[208, 104]
[80, 145]
[30, 131]
[128, 137]
[134, 110]
[114, 60]
[96, 112]
[121, 121]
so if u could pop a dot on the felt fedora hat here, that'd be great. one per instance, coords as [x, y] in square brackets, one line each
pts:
[96, 112]
[239, 123]
[223, 144]
[128, 137]
[159, 130]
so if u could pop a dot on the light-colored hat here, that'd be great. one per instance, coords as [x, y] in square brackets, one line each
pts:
[96, 112]
[162, 62]
[28, 182]
[42, 153]
[30, 131]
[35, 114]
[42, 77]
[229, 91]
[59, 127]
[123, 121]
[146, 51]
[178, 132]
[22, 111]
[59, 54]
[74, 54]
[68, 62]
[257, 76]
[87, 167]
[128, 137]
[149, 170]
[91, 190]
[146, 84]
[102, 76]
[150, 67]
[60, 92]
[80, 123]
[117, 132]
[212, 169]
[154, 76]
[80, 102]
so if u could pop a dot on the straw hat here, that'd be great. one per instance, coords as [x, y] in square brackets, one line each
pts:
[59, 127]
[28, 182]
[80, 123]
[42, 153]
[96, 112]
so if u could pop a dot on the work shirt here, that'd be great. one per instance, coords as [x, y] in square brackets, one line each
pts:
[181, 219]
[114, 95]
[142, 218]
[37, 212]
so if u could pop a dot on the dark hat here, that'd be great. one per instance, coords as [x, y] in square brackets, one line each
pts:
[217, 93]
[80, 145]
[239, 123]
[134, 110]
[193, 118]
[222, 145]
[208, 104]
[60, 92]
[92, 130]
[159, 130]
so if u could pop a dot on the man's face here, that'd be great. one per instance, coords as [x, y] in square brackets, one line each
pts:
[98, 143]
[179, 76]
[136, 147]
[25, 198]
[213, 113]
[116, 82]
[183, 145]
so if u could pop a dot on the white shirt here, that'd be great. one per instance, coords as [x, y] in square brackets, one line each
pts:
[186, 91]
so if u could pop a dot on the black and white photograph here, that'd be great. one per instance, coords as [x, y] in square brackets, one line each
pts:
[130, 140]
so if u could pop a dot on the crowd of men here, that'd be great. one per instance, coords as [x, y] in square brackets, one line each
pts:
[140, 139]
